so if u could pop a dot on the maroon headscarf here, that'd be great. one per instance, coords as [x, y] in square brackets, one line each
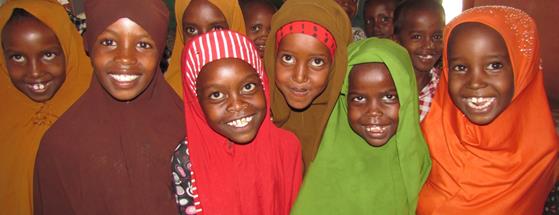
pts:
[105, 156]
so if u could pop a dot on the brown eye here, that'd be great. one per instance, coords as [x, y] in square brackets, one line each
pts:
[216, 95]
[249, 87]
[108, 42]
[287, 59]
[494, 66]
[49, 56]
[317, 62]
[144, 45]
[17, 58]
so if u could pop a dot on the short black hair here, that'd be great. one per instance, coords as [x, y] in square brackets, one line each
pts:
[246, 3]
[19, 14]
[404, 7]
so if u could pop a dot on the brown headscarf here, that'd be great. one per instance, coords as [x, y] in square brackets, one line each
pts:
[234, 16]
[309, 125]
[23, 121]
[104, 156]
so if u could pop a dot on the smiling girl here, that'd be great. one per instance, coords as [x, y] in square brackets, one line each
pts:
[234, 160]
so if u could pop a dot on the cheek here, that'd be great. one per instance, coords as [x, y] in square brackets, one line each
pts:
[319, 79]
[282, 73]
[354, 114]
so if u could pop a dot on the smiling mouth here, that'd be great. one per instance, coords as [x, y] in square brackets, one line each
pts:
[39, 87]
[479, 103]
[124, 77]
[426, 57]
[299, 91]
[240, 123]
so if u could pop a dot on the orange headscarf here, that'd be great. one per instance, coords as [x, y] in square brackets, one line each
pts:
[507, 166]
[234, 16]
[23, 121]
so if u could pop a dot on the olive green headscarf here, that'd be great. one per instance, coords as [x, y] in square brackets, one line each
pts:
[349, 176]
[309, 124]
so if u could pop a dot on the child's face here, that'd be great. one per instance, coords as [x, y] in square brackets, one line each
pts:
[302, 67]
[34, 58]
[421, 35]
[349, 6]
[258, 19]
[373, 103]
[124, 58]
[201, 17]
[481, 80]
[378, 17]
[232, 98]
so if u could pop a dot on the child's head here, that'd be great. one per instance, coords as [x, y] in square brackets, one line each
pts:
[373, 104]
[125, 46]
[227, 79]
[378, 18]
[305, 52]
[418, 26]
[349, 6]
[258, 19]
[202, 16]
[33, 55]
[480, 76]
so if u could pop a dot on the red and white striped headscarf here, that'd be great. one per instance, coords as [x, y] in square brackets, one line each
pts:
[261, 177]
[214, 46]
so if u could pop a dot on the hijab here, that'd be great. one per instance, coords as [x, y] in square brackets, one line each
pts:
[105, 156]
[234, 16]
[348, 175]
[309, 124]
[261, 177]
[509, 164]
[23, 121]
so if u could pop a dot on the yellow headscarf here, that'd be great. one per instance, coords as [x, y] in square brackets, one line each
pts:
[234, 16]
[23, 121]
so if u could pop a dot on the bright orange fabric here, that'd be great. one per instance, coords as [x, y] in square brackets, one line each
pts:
[507, 166]
[234, 16]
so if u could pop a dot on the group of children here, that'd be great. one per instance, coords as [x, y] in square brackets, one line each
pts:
[267, 110]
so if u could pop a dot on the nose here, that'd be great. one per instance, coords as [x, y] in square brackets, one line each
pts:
[374, 109]
[300, 73]
[236, 103]
[428, 43]
[35, 68]
[476, 79]
[126, 54]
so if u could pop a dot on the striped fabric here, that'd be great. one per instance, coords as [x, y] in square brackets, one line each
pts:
[206, 48]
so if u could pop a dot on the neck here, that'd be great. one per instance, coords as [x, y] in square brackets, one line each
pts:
[422, 79]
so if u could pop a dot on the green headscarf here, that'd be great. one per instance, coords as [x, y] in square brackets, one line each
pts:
[348, 175]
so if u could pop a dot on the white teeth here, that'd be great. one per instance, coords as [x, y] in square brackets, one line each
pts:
[479, 103]
[425, 57]
[124, 78]
[375, 128]
[239, 123]
[38, 86]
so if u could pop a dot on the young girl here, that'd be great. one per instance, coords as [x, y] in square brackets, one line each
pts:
[373, 142]
[196, 17]
[490, 132]
[233, 160]
[305, 58]
[258, 19]
[378, 16]
[43, 70]
[109, 153]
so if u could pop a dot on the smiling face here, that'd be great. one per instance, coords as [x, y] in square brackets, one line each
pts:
[481, 80]
[258, 19]
[201, 17]
[124, 58]
[302, 67]
[34, 58]
[378, 16]
[421, 35]
[373, 105]
[232, 98]
[349, 6]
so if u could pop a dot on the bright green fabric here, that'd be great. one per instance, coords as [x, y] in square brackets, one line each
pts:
[349, 176]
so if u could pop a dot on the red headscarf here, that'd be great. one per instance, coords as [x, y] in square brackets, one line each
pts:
[311, 29]
[504, 167]
[261, 177]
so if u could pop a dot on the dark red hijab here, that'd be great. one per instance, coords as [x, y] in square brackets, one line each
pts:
[104, 156]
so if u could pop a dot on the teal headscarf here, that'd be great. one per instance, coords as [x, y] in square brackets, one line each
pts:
[348, 175]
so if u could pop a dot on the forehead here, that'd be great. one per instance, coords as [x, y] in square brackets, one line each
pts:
[370, 73]
[258, 10]
[27, 27]
[300, 43]
[423, 18]
[202, 10]
[380, 5]
[472, 32]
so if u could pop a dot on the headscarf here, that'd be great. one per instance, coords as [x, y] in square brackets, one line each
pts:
[105, 156]
[348, 175]
[261, 177]
[309, 124]
[23, 121]
[508, 165]
[234, 16]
